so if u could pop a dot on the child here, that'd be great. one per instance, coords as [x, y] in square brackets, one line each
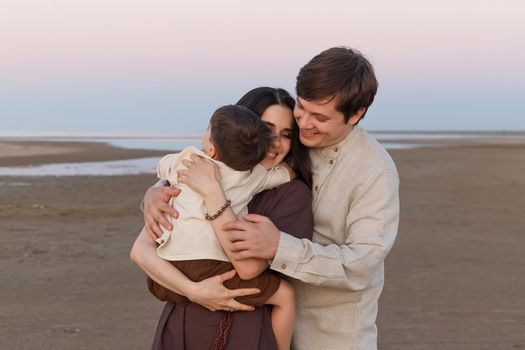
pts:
[236, 140]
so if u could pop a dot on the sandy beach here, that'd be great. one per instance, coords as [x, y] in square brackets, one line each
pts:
[454, 279]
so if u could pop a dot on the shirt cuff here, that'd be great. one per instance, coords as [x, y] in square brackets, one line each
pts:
[287, 256]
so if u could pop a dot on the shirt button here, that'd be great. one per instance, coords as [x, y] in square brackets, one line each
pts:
[283, 266]
[316, 188]
[331, 161]
[336, 149]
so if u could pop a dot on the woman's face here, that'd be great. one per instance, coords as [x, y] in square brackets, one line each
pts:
[279, 119]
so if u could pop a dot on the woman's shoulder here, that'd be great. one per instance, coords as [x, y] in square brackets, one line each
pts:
[289, 206]
[295, 188]
[290, 191]
[289, 195]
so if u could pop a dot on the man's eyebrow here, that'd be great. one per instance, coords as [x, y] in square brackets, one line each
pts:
[321, 115]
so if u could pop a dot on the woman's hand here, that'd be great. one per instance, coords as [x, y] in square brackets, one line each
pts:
[156, 206]
[213, 295]
[202, 175]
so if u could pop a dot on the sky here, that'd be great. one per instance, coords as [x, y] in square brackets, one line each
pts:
[162, 67]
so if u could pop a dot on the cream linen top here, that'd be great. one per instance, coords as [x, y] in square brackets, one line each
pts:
[356, 216]
[192, 236]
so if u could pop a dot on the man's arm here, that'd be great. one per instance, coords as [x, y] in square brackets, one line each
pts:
[371, 228]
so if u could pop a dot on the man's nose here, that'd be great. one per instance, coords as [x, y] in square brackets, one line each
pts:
[303, 120]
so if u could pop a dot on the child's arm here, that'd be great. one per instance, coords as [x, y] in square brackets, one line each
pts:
[215, 200]
[204, 180]
[167, 168]
[288, 167]
[169, 164]
[278, 175]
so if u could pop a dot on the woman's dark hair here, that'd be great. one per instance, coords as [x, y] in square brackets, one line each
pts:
[258, 100]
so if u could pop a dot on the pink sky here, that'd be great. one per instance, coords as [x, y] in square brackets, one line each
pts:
[108, 43]
[117, 35]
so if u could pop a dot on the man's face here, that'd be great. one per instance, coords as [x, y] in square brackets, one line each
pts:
[320, 123]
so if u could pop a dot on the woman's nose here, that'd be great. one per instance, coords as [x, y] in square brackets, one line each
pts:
[276, 143]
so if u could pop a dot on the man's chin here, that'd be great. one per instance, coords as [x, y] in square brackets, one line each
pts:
[308, 142]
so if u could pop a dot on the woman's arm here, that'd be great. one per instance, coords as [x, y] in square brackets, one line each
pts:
[203, 178]
[144, 254]
[209, 293]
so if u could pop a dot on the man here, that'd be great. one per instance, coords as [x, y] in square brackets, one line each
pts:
[355, 203]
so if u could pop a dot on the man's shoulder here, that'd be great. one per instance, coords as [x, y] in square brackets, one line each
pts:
[373, 155]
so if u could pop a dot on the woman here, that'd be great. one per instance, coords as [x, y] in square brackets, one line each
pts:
[289, 206]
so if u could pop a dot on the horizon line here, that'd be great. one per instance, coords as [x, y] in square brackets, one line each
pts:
[82, 135]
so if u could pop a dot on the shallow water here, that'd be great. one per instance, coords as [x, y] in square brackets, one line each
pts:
[106, 168]
[147, 165]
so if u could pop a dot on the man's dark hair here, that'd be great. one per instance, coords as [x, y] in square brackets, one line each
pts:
[341, 73]
[240, 137]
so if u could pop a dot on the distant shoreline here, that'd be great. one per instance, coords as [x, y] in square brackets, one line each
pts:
[25, 151]
[28, 153]
[82, 136]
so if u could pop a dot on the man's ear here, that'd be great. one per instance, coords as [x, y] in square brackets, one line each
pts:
[354, 119]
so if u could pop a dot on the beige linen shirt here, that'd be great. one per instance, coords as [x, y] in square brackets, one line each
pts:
[192, 236]
[356, 216]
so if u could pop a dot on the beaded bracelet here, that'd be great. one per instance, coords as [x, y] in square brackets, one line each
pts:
[216, 215]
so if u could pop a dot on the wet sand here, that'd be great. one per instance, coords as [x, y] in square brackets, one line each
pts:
[454, 279]
[28, 153]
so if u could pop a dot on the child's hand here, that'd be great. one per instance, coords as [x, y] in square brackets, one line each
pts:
[202, 175]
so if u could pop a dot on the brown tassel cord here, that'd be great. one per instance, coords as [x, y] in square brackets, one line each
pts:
[223, 332]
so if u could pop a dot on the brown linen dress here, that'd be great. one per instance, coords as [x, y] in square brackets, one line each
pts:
[198, 270]
[192, 327]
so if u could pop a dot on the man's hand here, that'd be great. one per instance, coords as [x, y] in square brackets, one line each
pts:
[156, 207]
[213, 295]
[257, 237]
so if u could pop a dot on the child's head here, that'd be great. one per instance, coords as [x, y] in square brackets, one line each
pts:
[237, 137]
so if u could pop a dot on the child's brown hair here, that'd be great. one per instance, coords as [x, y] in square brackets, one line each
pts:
[240, 137]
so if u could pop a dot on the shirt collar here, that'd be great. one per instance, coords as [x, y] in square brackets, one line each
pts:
[331, 152]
